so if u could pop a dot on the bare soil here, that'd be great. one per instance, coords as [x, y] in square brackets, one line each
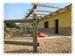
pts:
[54, 44]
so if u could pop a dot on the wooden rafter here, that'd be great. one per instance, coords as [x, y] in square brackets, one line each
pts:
[31, 16]
[40, 13]
[43, 11]
[46, 5]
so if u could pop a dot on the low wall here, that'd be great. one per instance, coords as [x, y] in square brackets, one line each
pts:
[61, 31]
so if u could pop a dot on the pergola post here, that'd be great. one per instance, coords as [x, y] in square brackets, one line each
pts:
[34, 33]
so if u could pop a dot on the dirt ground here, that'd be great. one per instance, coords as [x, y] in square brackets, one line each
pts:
[54, 44]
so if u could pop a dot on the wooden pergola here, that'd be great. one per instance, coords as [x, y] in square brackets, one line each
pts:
[34, 19]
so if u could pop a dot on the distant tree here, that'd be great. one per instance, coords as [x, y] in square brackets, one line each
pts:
[10, 24]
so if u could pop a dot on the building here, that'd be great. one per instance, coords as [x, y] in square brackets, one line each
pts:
[58, 22]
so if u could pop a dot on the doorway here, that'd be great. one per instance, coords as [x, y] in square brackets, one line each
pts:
[56, 26]
[46, 24]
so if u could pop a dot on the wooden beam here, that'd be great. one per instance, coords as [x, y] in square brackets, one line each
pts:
[43, 11]
[37, 16]
[40, 13]
[46, 5]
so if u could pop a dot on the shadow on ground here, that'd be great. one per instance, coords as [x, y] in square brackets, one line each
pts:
[20, 51]
[19, 43]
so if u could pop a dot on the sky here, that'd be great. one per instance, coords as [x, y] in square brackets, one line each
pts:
[15, 11]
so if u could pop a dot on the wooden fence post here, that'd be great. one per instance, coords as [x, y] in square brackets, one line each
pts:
[34, 33]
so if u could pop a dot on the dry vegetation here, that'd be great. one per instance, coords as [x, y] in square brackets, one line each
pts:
[50, 45]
